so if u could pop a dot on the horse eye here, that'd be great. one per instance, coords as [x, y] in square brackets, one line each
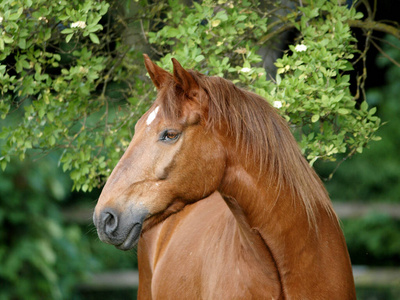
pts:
[169, 136]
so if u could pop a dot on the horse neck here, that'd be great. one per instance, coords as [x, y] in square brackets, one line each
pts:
[304, 254]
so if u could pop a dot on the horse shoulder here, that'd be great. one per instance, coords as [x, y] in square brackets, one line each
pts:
[197, 254]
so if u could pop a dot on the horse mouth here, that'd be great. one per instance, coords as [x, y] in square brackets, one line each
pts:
[132, 238]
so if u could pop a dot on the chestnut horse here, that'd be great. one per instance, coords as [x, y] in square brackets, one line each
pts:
[272, 235]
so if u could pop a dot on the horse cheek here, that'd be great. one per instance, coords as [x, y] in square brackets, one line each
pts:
[165, 163]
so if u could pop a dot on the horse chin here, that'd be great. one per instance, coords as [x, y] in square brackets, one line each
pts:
[131, 239]
[155, 219]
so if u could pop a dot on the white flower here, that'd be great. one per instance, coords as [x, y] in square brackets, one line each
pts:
[215, 23]
[300, 48]
[83, 70]
[277, 104]
[43, 19]
[241, 50]
[1, 19]
[79, 24]
[245, 70]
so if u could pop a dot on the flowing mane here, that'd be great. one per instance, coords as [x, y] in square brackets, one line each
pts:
[259, 131]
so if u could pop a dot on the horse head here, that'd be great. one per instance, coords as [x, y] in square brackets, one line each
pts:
[173, 159]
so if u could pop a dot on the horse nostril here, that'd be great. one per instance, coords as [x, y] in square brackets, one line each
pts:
[110, 221]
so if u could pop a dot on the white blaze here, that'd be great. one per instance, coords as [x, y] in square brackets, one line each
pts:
[152, 116]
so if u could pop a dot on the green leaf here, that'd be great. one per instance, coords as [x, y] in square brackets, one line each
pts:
[16, 15]
[7, 39]
[199, 58]
[50, 116]
[52, 140]
[104, 8]
[364, 106]
[3, 165]
[278, 79]
[313, 160]
[359, 15]
[343, 111]
[67, 30]
[94, 28]
[94, 38]
[68, 37]
[22, 43]
[372, 111]
[85, 187]
[315, 118]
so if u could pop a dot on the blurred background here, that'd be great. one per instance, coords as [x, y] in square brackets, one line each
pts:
[49, 248]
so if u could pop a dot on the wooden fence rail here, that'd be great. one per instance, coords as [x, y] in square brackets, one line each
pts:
[345, 210]
[349, 210]
[129, 279]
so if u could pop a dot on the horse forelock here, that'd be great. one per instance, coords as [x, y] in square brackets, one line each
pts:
[169, 98]
[261, 136]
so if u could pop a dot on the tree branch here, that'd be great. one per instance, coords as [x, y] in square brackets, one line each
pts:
[376, 26]
[274, 33]
[385, 54]
[365, 25]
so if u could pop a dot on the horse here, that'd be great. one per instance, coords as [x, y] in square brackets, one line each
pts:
[222, 204]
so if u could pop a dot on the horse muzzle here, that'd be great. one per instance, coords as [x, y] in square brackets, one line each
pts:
[121, 229]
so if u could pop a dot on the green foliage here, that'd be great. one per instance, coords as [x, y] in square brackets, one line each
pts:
[40, 257]
[314, 90]
[221, 43]
[65, 71]
[61, 80]
[311, 88]
[373, 240]
[381, 292]
[374, 176]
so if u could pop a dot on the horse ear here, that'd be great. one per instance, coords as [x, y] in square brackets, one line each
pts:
[158, 75]
[183, 78]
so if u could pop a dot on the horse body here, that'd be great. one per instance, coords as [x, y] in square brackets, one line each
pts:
[273, 236]
[200, 252]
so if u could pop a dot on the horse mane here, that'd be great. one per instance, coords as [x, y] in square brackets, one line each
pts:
[261, 133]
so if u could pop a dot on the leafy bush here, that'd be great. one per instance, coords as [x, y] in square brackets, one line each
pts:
[373, 240]
[40, 257]
[312, 84]
[65, 71]
[62, 76]
[374, 176]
